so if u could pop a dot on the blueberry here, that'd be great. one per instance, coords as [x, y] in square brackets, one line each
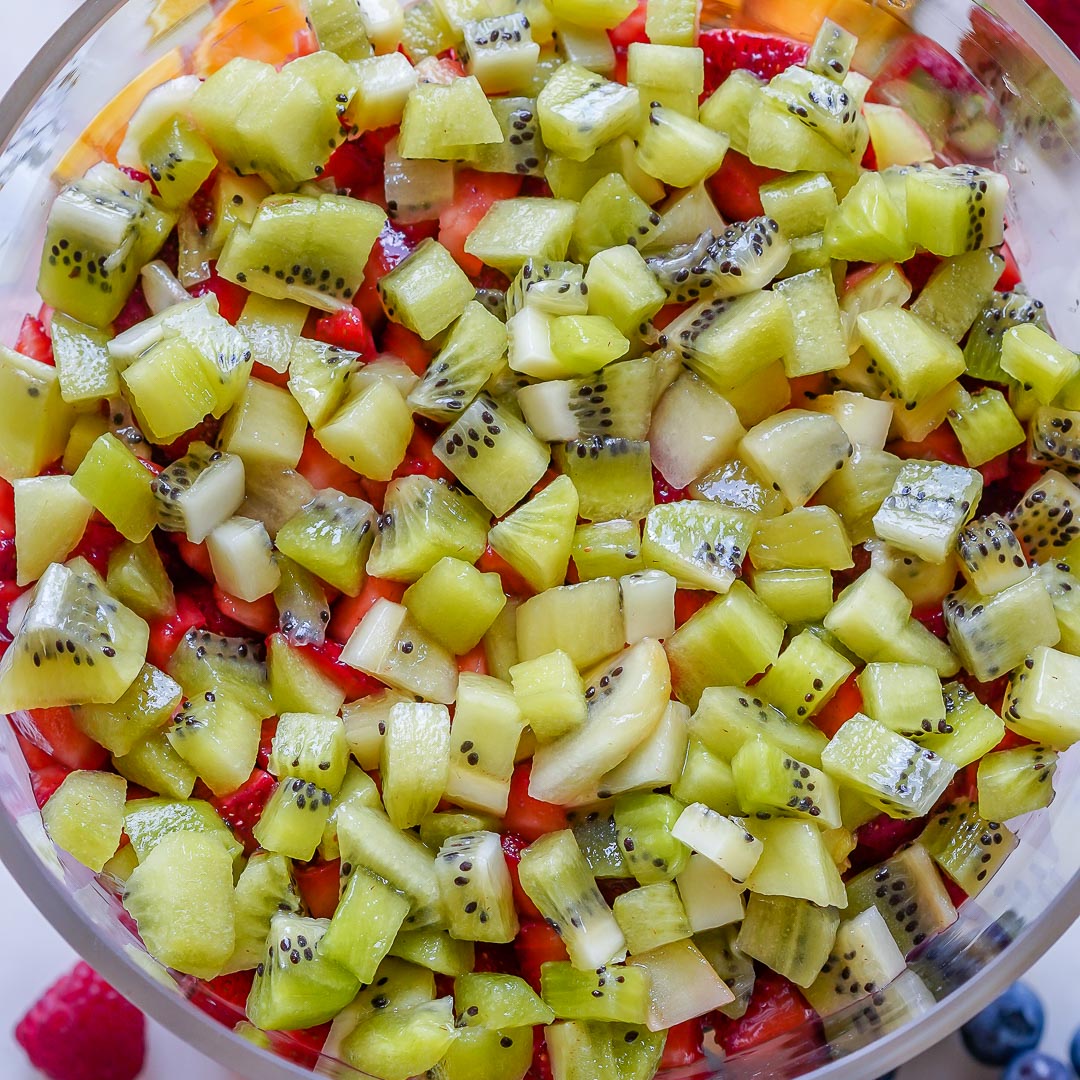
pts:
[1006, 1028]
[1074, 1052]
[1035, 1065]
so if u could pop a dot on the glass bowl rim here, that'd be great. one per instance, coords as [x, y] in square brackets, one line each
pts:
[202, 1032]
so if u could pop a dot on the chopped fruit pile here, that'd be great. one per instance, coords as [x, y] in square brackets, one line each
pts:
[82, 1029]
[522, 555]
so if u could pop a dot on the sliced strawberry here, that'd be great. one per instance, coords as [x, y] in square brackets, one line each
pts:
[541, 1062]
[241, 809]
[266, 741]
[196, 556]
[327, 658]
[420, 457]
[688, 602]
[989, 693]
[8, 560]
[684, 1045]
[474, 194]
[513, 845]
[880, 838]
[230, 296]
[7, 509]
[495, 958]
[97, 544]
[1011, 275]
[528, 817]
[919, 268]
[45, 781]
[356, 166]
[53, 730]
[205, 431]
[940, 445]
[259, 615]
[921, 59]
[34, 341]
[491, 562]
[536, 944]
[303, 1047]
[346, 329]
[630, 30]
[224, 998]
[135, 310]
[474, 661]
[842, 706]
[994, 471]
[765, 55]
[405, 345]
[735, 185]
[933, 618]
[347, 611]
[167, 631]
[663, 492]
[318, 885]
[776, 1008]
[323, 471]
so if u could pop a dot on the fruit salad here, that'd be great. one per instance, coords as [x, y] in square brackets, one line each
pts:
[537, 539]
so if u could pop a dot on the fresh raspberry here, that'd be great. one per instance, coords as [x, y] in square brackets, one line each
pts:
[82, 1029]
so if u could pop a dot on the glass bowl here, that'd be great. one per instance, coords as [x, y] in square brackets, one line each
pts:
[1026, 123]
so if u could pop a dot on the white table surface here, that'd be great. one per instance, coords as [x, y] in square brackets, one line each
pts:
[39, 955]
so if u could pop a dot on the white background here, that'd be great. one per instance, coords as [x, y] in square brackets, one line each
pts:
[38, 954]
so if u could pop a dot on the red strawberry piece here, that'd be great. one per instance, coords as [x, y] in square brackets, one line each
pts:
[493, 563]
[303, 1047]
[196, 556]
[663, 492]
[881, 837]
[474, 661]
[166, 632]
[541, 1063]
[405, 345]
[528, 817]
[327, 658]
[347, 611]
[8, 561]
[259, 615]
[683, 1046]
[33, 341]
[7, 508]
[842, 706]
[920, 59]
[97, 544]
[513, 845]
[933, 619]
[135, 310]
[535, 945]
[347, 330]
[242, 809]
[266, 741]
[919, 268]
[45, 781]
[735, 186]
[688, 602]
[765, 55]
[420, 457]
[230, 296]
[495, 958]
[224, 998]
[956, 894]
[318, 885]
[776, 1008]
[135, 174]
[994, 471]
[940, 445]
[53, 730]
[323, 471]
[205, 431]
[1064, 20]
[356, 166]
[474, 194]
[82, 1029]
[34, 756]
[1011, 275]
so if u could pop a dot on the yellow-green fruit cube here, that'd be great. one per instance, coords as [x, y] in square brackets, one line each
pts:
[1032, 357]
[455, 603]
[34, 421]
[550, 694]
[85, 816]
[371, 431]
[265, 427]
[50, 517]
[118, 485]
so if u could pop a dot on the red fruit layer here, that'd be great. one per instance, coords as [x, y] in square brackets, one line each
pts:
[765, 55]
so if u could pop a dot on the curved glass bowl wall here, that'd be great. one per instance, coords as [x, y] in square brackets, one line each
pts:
[1033, 83]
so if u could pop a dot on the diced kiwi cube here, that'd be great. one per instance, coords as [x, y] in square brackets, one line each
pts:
[50, 518]
[579, 111]
[455, 603]
[550, 694]
[427, 291]
[515, 230]
[34, 420]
